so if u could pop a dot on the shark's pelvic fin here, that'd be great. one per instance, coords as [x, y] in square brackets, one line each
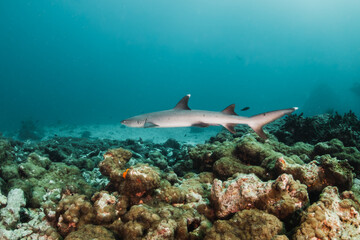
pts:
[230, 110]
[230, 127]
[183, 103]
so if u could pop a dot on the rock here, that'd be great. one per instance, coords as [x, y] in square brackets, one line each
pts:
[332, 217]
[10, 215]
[281, 197]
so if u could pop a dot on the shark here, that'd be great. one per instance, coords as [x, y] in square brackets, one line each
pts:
[182, 116]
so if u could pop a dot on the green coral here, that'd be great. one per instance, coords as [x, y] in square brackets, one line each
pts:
[337, 149]
[204, 155]
[325, 171]
[227, 166]
[6, 154]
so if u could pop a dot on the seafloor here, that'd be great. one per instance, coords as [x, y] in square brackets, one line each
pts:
[299, 184]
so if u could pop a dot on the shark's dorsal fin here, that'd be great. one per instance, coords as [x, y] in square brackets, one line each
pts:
[183, 103]
[230, 110]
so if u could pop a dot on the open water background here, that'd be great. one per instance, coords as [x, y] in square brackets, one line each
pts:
[92, 61]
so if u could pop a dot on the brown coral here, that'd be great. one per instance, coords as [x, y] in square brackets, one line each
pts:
[114, 161]
[72, 212]
[105, 207]
[91, 232]
[140, 179]
[108, 207]
[163, 222]
[247, 224]
[192, 191]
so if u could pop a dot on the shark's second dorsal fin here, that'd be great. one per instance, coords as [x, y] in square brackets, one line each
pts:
[230, 110]
[183, 103]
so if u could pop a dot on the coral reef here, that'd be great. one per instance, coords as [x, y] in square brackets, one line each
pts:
[235, 186]
[42, 180]
[281, 197]
[332, 217]
[320, 128]
[247, 224]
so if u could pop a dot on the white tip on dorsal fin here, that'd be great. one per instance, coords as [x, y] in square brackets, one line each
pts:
[230, 110]
[183, 103]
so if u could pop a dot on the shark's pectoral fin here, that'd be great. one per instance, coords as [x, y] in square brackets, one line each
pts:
[230, 127]
[200, 124]
[150, 125]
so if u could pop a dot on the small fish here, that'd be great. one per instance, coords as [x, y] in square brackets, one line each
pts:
[124, 174]
[245, 108]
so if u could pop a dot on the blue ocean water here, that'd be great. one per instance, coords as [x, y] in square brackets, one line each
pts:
[90, 61]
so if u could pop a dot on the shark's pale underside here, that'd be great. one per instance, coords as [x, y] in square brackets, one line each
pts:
[182, 116]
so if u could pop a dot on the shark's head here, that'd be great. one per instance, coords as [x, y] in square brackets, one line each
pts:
[136, 121]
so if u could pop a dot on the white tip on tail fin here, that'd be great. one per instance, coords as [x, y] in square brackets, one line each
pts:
[257, 122]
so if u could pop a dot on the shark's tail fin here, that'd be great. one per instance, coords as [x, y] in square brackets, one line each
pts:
[258, 121]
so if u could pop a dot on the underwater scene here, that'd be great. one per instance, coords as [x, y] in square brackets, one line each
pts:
[161, 120]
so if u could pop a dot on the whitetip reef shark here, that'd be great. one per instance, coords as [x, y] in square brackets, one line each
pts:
[182, 116]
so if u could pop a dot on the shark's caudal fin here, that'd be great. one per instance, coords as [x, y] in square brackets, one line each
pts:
[258, 121]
